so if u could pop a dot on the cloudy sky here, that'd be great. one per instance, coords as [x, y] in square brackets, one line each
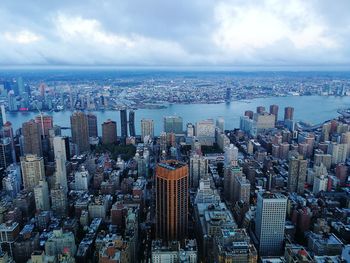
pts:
[175, 33]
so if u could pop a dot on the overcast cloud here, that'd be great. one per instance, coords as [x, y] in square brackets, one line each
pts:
[175, 33]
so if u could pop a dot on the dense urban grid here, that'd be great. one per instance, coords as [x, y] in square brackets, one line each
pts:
[267, 191]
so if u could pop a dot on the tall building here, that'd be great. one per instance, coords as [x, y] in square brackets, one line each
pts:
[147, 128]
[45, 122]
[260, 109]
[33, 171]
[205, 131]
[274, 111]
[80, 131]
[198, 169]
[173, 124]
[60, 152]
[5, 152]
[123, 123]
[41, 195]
[171, 200]
[270, 223]
[132, 123]
[230, 155]
[220, 123]
[297, 174]
[109, 132]
[92, 124]
[228, 95]
[32, 138]
[288, 113]
[190, 132]
[59, 203]
[2, 115]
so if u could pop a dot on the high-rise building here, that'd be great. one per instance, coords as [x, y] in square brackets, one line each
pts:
[190, 132]
[123, 123]
[205, 131]
[60, 152]
[231, 155]
[80, 131]
[132, 123]
[59, 203]
[171, 200]
[92, 124]
[297, 174]
[41, 195]
[274, 111]
[5, 152]
[270, 223]
[260, 109]
[288, 113]
[147, 128]
[220, 123]
[12, 101]
[2, 115]
[33, 171]
[198, 169]
[228, 95]
[249, 114]
[45, 122]
[32, 138]
[109, 132]
[173, 124]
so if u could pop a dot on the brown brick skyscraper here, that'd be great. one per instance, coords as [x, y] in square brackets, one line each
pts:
[172, 200]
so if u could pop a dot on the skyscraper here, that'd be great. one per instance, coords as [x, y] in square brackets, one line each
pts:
[92, 123]
[171, 200]
[147, 128]
[274, 110]
[2, 115]
[59, 145]
[41, 195]
[33, 171]
[270, 223]
[32, 138]
[288, 113]
[59, 201]
[123, 124]
[132, 123]
[260, 109]
[220, 123]
[109, 132]
[80, 131]
[228, 95]
[297, 174]
[45, 122]
[198, 169]
[173, 124]
[5, 152]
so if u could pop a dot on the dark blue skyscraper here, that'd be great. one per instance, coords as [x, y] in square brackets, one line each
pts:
[228, 96]
[123, 123]
[132, 123]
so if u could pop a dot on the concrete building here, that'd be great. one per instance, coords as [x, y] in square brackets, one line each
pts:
[297, 174]
[31, 132]
[80, 131]
[270, 223]
[173, 124]
[41, 195]
[198, 169]
[147, 128]
[109, 132]
[33, 171]
[171, 251]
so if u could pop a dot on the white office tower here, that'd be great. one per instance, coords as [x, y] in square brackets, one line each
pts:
[59, 146]
[190, 130]
[231, 155]
[220, 123]
[82, 179]
[198, 169]
[41, 195]
[270, 223]
[205, 132]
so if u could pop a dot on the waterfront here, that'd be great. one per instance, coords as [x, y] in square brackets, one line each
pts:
[312, 109]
